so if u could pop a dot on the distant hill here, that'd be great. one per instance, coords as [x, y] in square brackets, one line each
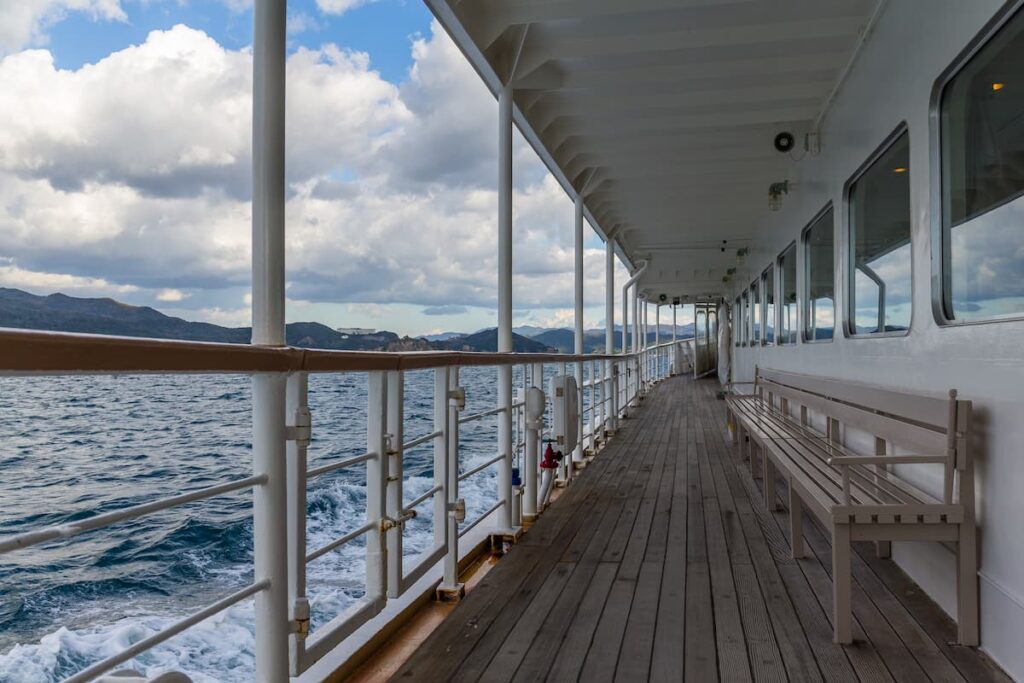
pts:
[487, 340]
[62, 313]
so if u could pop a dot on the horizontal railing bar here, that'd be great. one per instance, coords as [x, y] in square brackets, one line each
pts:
[416, 501]
[421, 440]
[340, 465]
[337, 543]
[60, 531]
[480, 468]
[485, 515]
[167, 633]
[42, 352]
[480, 416]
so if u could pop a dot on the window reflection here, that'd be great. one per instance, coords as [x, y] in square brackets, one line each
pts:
[768, 292]
[737, 319]
[755, 313]
[788, 303]
[746, 318]
[982, 123]
[880, 244]
[819, 274]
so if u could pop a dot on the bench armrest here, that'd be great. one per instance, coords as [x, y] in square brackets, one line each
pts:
[849, 460]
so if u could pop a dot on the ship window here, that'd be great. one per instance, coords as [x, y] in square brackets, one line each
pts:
[737, 317]
[746, 318]
[787, 288]
[768, 305]
[879, 247]
[982, 133]
[755, 313]
[819, 277]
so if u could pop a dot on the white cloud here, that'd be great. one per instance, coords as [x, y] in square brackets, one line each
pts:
[338, 7]
[136, 170]
[25, 21]
[13, 276]
[171, 295]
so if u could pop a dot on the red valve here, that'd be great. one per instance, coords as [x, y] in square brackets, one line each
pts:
[549, 463]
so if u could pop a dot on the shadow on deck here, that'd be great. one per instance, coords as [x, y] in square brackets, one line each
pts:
[661, 563]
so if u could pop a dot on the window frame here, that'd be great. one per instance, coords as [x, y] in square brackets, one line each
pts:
[737, 321]
[764, 307]
[756, 317]
[847, 252]
[941, 272]
[745, 316]
[804, 276]
[779, 290]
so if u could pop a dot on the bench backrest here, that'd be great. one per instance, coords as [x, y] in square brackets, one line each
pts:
[929, 424]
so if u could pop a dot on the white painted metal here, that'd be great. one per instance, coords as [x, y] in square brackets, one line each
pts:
[376, 483]
[455, 403]
[394, 498]
[442, 427]
[268, 296]
[577, 453]
[297, 407]
[505, 302]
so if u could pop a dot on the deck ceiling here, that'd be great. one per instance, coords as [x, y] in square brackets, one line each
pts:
[663, 112]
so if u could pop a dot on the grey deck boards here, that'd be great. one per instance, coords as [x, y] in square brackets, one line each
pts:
[661, 563]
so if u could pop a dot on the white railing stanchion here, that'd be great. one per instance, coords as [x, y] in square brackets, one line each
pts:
[450, 588]
[530, 454]
[395, 501]
[270, 531]
[299, 424]
[376, 482]
[441, 441]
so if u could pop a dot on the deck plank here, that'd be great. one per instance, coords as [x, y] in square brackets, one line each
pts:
[660, 561]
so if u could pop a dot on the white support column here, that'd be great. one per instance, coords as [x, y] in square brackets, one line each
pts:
[672, 358]
[577, 454]
[270, 509]
[611, 407]
[657, 341]
[530, 455]
[504, 523]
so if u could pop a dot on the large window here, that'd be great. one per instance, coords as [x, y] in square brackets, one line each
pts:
[755, 313]
[737, 319]
[746, 318]
[819, 278]
[768, 305]
[879, 243]
[787, 291]
[982, 132]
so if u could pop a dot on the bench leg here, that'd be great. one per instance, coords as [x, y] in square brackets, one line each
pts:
[841, 588]
[883, 549]
[796, 524]
[967, 586]
[768, 480]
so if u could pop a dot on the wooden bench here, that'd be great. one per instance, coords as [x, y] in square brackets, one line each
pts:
[859, 497]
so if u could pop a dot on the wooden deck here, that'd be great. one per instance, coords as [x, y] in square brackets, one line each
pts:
[661, 563]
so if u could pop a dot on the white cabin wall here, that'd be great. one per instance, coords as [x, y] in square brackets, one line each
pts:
[913, 42]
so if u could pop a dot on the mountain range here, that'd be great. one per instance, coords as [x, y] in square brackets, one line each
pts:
[63, 313]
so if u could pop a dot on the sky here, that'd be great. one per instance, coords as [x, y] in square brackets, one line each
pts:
[125, 153]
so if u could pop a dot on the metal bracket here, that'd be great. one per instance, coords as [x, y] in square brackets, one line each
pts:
[387, 523]
[300, 617]
[457, 398]
[302, 429]
[457, 510]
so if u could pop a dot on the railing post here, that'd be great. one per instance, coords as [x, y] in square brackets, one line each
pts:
[441, 442]
[532, 445]
[297, 407]
[450, 588]
[376, 482]
[393, 480]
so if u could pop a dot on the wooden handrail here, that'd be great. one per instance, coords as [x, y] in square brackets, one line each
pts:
[42, 352]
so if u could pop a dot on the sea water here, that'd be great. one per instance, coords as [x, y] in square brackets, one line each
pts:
[73, 447]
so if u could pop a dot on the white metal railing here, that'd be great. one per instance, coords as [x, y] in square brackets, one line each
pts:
[615, 384]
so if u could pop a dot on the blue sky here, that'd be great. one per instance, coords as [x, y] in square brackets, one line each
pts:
[125, 168]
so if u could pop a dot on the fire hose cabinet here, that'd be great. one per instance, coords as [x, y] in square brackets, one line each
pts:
[565, 412]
